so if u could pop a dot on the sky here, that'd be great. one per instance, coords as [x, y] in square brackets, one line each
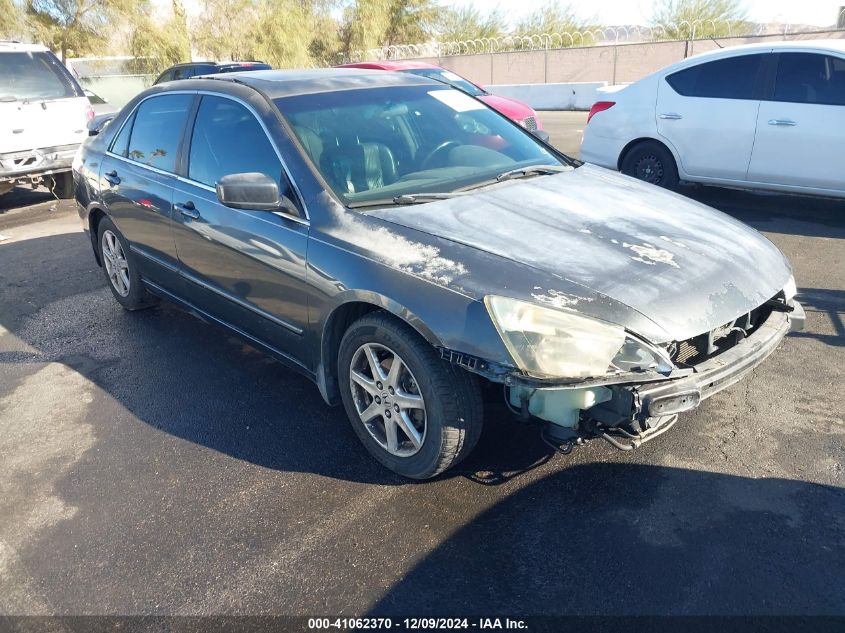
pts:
[615, 12]
[815, 12]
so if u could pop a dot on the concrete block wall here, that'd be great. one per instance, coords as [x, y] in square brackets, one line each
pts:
[553, 96]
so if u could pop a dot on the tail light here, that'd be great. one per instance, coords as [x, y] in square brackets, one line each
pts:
[599, 106]
[89, 113]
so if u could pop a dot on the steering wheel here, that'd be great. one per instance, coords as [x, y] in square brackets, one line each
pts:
[440, 149]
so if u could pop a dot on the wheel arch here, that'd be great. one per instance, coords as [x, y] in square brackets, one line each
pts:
[95, 215]
[351, 308]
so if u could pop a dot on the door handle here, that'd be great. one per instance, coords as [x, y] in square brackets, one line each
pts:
[785, 122]
[187, 209]
[672, 116]
[112, 178]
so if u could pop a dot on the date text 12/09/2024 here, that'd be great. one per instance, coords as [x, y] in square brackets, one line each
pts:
[414, 624]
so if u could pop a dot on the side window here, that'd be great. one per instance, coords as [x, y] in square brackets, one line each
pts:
[168, 76]
[731, 78]
[810, 78]
[120, 145]
[228, 139]
[159, 122]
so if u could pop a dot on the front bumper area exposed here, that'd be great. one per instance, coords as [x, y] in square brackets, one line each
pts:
[17, 166]
[629, 414]
[710, 377]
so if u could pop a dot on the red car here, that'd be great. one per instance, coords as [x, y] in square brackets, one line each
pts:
[520, 112]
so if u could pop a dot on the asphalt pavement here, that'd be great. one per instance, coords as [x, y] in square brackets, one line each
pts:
[151, 464]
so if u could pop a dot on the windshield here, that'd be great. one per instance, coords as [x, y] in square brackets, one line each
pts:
[381, 143]
[34, 76]
[448, 77]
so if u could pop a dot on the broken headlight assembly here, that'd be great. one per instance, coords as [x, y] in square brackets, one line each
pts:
[549, 343]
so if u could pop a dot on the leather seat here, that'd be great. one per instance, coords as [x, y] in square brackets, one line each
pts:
[353, 167]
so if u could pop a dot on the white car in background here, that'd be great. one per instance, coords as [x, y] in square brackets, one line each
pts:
[758, 117]
[43, 119]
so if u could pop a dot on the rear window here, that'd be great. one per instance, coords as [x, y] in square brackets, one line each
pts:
[731, 78]
[35, 76]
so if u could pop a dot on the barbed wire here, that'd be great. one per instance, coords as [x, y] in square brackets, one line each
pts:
[597, 36]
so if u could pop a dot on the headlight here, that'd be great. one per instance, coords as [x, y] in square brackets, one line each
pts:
[551, 343]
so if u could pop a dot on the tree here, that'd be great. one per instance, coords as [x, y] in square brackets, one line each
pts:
[284, 33]
[74, 26]
[685, 19]
[225, 29]
[12, 24]
[410, 21]
[369, 24]
[468, 23]
[553, 17]
[157, 44]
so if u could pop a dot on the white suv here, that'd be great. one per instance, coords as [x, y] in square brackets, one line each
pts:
[758, 117]
[44, 116]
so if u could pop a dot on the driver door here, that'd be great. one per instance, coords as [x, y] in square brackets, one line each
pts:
[246, 268]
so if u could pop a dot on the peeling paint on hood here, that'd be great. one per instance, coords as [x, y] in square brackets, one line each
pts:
[686, 267]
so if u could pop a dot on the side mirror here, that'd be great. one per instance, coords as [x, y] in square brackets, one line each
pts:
[250, 191]
[99, 122]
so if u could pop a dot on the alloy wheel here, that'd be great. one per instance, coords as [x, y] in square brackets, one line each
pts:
[387, 399]
[115, 262]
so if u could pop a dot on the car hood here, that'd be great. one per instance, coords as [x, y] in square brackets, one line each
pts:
[511, 108]
[684, 266]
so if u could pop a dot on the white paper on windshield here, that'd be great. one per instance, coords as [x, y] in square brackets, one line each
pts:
[457, 100]
[450, 76]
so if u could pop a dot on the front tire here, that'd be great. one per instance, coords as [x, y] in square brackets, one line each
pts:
[415, 413]
[120, 269]
[651, 162]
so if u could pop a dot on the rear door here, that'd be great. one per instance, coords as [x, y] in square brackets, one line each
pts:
[708, 113]
[245, 267]
[137, 177]
[801, 124]
[41, 104]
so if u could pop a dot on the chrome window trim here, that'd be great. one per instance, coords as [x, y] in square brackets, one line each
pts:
[305, 221]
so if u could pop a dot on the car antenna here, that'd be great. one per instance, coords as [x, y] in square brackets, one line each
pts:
[715, 42]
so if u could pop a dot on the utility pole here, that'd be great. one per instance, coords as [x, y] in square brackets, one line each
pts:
[840, 18]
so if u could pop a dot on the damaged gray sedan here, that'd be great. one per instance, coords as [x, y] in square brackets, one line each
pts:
[401, 244]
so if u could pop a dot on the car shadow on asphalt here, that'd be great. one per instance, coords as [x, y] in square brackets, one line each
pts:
[775, 212]
[625, 538]
[832, 304]
[197, 382]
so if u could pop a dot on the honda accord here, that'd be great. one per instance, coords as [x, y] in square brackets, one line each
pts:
[402, 244]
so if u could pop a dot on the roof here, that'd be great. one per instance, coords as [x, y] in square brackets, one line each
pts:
[19, 47]
[288, 83]
[832, 45]
[390, 65]
[213, 63]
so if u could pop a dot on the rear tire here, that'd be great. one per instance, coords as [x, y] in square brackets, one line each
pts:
[441, 401]
[651, 162]
[61, 185]
[120, 268]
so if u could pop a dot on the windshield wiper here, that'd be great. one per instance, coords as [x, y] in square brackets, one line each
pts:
[405, 198]
[532, 170]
